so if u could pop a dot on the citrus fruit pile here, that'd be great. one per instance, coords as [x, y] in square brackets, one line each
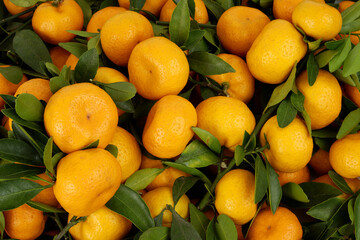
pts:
[180, 119]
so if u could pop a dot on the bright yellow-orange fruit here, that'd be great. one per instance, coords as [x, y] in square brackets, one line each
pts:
[38, 87]
[47, 195]
[300, 176]
[242, 83]
[121, 33]
[201, 14]
[282, 225]
[226, 118]
[318, 20]
[99, 18]
[275, 51]
[168, 126]
[284, 8]
[7, 87]
[320, 162]
[59, 56]
[14, 9]
[238, 28]
[290, 147]
[71, 61]
[234, 196]
[86, 180]
[158, 67]
[78, 115]
[322, 100]
[152, 6]
[51, 22]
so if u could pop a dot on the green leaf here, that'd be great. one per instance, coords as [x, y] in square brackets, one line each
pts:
[92, 145]
[340, 182]
[261, 181]
[275, 191]
[11, 113]
[112, 149]
[239, 155]
[325, 133]
[194, 38]
[83, 33]
[24, 3]
[119, 91]
[337, 61]
[198, 220]
[307, 120]
[286, 113]
[51, 68]
[324, 57]
[31, 49]
[294, 191]
[2, 225]
[225, 228]
[352, 62]
[56, 83]
[208, 64]
[210, 140]
[281, 91]
[351, 13]
[126, 106]
[210, 231]
[86, 9]
[9, 99]
[16, 192]
[351, 209]
[181, 186]
[211, 37]
[74, 48]
[347, 80]
[349, 123]
[29, 108]
[156, 233]
[314, 45]
[142, 178]
[350, 27]
[47, 156]
[196, 155]
[87, 66]
[45, 208]
[315, 231]
[129, 203]
[181, 229]
[56, 158]
[179, 26]
[191, 6]
[325, 210]
[15, 170]
[226, 4]
[136, 4]
[297, 100]
[319, 192]
[13, 74]
[312, 68]
[357, 217]
[18, 151]
[215, 8]
[335, 45]
[95, 43]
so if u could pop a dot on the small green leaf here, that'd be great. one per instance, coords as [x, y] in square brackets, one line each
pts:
[312, 68]
[2, 225]
[9, 99]
[74, 48]
[325, 210]
[340, 182]
[112, 149]
[275, 191]
[294, 191]
[349, 123]
[15, 170]
[119, 91]
[239, 155]
[52, 69]
[351, 210]
[126, 106]
[92, 145]
[45, 208]
[314, 45]
[215, 8]
[208, 64]
[86, 9]
[129, 203]
[307, 119]
[179, 26]
[159, 218]
[156, 233]
[210, 140]
[337, 61]
[324, 57]
[47, 156]
[352, 62]
[261, 181]
[13, 74]
[24, 3]
[198, 220]
[11, 113]
[286, 113]
[142, 178]
[181, 229]
[196, 155]
[335, 45]
[181, 186]
[357, 217]
[29, 108]
[136, 4]
[347, 80]
[347, 229]
[297, 100]
[95, 43]
[87, 66]
[56, 83]
[226, 4]
[350, 27]
[225, 228]
[83, 33]
[56, 158]
[194, 38]
[210, 231]
[319, 192]
[351, 13]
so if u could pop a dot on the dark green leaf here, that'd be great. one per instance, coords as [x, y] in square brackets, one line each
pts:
[16, 192]
[351, 209]
[239, 155]
[325, 210]
[24, 3]
[210, 140]
[325, 133]
[347, 80]
[319, 192]
[340, 182]
[349, 123]
[351, 13]
[210, 231]
[194, 38]
[29, 108]
[136, 4]
[191, 5]
[112, 149]
[13, 74]
[18, 151]
[211, 37]
[129, 203]
[74, 47]
[83, 33]
[119, 91]
[307, 119]
[346, 230]
[337, 61]
[47, 156]
[2, 225]
[198, 220]
[275, 191]
[323, 143]
[352, 62]
[297, 100]
[9, 99]
[312, 68]
[324, 57]
[286, 113]
[45, 208]
[159, 218]
[57, 83]
[126, 106]
[15, 170]
[156, 233]
[52, 69]
[56, 158]
[142, 178]
[92, 145]
[225, 228]
[196, 155]
[181, 229]
[85, 7]
[315, 231]
[351, 27]
[208, 64]
[181, 186]
[334, 45]
[31, 49]
[87, 66]
[226, 4]
[95, 43]
[215, 8]
[261, 181]
[179, 26]
[294, 191]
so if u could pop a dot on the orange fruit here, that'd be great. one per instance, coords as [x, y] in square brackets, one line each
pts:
[322, 100]
[282, 225]
[158, 67]
[157, 200]
[121, 33]
[234, 196]
[320, 162]
[99, 18]
[318, 20]
[24, 222]
[46, 196]
[275, 51]
[78, 115]
[71, 61]
[152, 6]
[226, 118]
[7, 87]
[201, 14]
[290, 147]
[129, 153]
[300, 176]
[86, 180]
[14, 9]
[38, 87]
[168, 125]
[353, 183]
[59, 56]
[51, 22]
[284, 8]
[239, 232]
[238, 28]
[101, 224]
[344, 156]
[353, 93]
[242, 83]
